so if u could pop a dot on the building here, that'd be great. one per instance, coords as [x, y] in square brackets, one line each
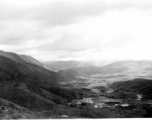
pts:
[139, 97]
[125, 105]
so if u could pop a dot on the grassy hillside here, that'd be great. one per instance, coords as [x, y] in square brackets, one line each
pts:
[141, 86]
[31, 86]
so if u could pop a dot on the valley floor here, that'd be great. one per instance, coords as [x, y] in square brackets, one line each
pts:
[94, 106]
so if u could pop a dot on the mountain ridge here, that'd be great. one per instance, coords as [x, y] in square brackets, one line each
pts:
[30, 86]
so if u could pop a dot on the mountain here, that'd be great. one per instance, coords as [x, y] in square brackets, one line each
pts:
[62, 65]
[20, 58]
[125, 70]
[69, 75]
[120, 67]
[116, 71]
[29, 90]
[131, 66]
[138, 85]
[30, 86]
[31, 60]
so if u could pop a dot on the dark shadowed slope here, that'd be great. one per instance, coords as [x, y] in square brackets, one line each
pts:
[140, 86]
[31, 86]
[69, 75]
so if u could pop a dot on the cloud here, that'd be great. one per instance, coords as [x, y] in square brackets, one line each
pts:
[55, 12]
[80, 30]
[115, 35]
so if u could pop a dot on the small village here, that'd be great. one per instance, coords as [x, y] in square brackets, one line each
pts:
[99, 101]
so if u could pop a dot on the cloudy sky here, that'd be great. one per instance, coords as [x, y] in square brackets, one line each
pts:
[77, 29]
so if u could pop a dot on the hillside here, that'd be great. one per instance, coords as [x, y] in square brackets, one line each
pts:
[140, 86]
[31, 86]
[20, 58]
[31, 91]
[69, 74]
[128, 67]
[31, 60]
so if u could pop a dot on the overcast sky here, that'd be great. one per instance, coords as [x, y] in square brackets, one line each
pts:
[77, 29]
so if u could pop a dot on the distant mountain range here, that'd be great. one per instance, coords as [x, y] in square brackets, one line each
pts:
[61, 65]
[116, 67]
[86, 67]
[116, 71]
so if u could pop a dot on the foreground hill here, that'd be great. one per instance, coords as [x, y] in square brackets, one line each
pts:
[30, 86]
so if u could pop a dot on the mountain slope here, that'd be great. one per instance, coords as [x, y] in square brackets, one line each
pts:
[140, 86]
[127, 66]
[20, 58]
[31, 86]
[11, 56]
[31, 60]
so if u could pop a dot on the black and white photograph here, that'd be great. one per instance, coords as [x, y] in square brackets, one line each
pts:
[75, 59]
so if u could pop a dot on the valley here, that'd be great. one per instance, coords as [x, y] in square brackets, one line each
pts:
[100, 81]
[75, 59]
[29, 89]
